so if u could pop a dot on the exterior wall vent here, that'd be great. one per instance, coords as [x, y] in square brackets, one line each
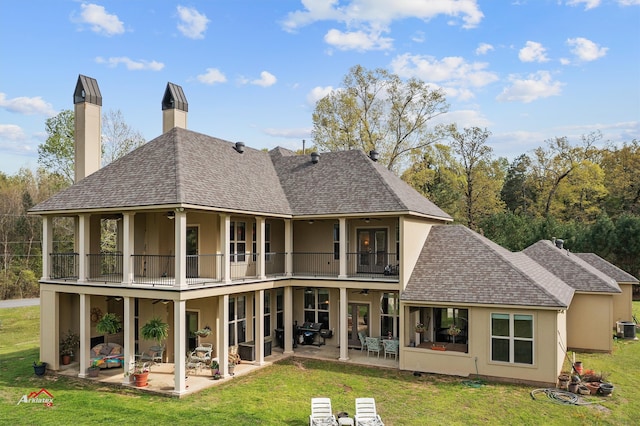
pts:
[373, 154]
[559, 243]
[240, 147]
[315, 157]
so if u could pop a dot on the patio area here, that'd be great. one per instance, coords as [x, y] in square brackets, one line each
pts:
[161, 380]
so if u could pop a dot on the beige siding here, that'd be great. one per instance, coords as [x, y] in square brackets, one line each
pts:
[622, 304]
[589, 322]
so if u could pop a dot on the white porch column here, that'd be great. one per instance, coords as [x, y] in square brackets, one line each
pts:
[84, 229]
[343, 247]
[85, 334]
[181, 248]
[260, 238]
[128, 322]
[47, 246]
[344, 332]
[127, 247]
[180, 345]
[259, 331]
[225, 240]
[223, 334]
[288, 247]
[288, 320]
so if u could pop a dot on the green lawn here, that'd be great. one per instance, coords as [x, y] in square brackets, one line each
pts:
[280, 394]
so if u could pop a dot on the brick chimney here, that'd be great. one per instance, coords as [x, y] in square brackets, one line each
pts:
[174, 108]
[88, 126]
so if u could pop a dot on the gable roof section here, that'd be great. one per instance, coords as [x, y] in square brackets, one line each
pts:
[179, 167]
[571, 268]
[608, 268]
[347, 182]
[457, 265]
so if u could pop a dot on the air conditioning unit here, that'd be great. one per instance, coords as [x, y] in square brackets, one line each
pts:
[626, 330]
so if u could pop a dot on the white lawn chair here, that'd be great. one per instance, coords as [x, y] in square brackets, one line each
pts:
[321, 414]
[366, 413]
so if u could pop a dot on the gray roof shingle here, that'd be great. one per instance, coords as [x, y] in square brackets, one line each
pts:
[185, 167]
[608, 268]
[570, 268]
[457, 265]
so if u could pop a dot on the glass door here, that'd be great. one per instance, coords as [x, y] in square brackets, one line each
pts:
[192, 326]
[372, 250]
[358, 321]
[192, 252]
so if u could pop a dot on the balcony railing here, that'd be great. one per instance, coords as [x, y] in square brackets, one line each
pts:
[159, 270]
[105, 267]
[63, 266]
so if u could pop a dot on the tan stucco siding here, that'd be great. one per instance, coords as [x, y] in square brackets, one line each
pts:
[623, 304]
[590, 322]
[413, 234]
[547, 356]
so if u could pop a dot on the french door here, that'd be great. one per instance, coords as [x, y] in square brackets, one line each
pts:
[192, 252]
[372, 250]
[358, 315]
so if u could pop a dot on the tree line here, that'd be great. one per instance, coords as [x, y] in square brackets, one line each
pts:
[585, 192]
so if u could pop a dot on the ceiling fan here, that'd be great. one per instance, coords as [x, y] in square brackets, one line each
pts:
[163, 301]
[364, 291]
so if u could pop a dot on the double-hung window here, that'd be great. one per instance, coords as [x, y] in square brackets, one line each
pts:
[512, 338]
[238, 245]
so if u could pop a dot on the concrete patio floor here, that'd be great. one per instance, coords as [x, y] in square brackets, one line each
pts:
[161, 378]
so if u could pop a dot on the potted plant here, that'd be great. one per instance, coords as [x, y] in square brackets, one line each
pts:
[420, 328]
[39, 367]
[453, 331]
[68, 345]
[140, 373]
[94, 370]
[110, 323]
[215, 370]
[204, 332]
[155, 329]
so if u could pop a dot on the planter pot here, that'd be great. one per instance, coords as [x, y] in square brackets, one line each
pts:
[605, 389]
[66, 359]
[583, 390]
[140, 380]
[40, 369]
[563, 381]
[573, 387]
[93, 371]
[593, 387]
[232, 368]
[578, 367]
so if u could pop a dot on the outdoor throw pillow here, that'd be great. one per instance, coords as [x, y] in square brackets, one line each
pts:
[106, 350]
[115, 350]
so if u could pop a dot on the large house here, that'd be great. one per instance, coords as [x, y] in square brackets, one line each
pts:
[257, 245]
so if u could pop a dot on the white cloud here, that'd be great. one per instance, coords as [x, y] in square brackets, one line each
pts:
[192, 23]
[11, 132]
[484, 48]
[367, 19]
[588, 4]
[464, 118]
[293, 133]
[318, 93]
[266, 79]
[418, 37]
[131, 65]
[100, 21]
[533, 52]
[536, 86]
[629, 2]
[27, 106]
[212, 76]
[585, 49]
[453, 73]
[357, 40]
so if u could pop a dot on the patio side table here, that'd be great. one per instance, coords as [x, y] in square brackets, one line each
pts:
[345, 421]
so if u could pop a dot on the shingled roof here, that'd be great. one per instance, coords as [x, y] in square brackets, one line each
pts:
[346, 182]
[186, 167]
[458, 265]
[571, 269]
[611, 270]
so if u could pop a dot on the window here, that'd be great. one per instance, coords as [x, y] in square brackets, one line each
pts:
[279, 308]
[267, 313]
[444, 319]
[316, 306]
[389, 323]
[237, 320]
[238, 237]
[267, 242]
[336, 241]
[512, 338]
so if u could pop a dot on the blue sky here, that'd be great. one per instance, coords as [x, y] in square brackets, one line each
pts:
[252, 70]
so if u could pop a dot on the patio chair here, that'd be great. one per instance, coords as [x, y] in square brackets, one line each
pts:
[234, 356]
[366, 413]
[363, 343]
[373, 345]
[153, 354]
[390, 348]
[321, 414]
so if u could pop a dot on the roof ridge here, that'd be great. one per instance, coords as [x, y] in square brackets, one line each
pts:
[388, 187]
[177, 145]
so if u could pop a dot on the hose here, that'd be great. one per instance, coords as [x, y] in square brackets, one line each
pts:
[562, 397]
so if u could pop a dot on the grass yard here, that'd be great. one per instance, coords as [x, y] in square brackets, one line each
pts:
[281, 394]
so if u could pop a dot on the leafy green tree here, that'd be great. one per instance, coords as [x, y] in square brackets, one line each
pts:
[622, 170]
[118, 138]
[56, 154]
[516, 193]
[376, 110]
